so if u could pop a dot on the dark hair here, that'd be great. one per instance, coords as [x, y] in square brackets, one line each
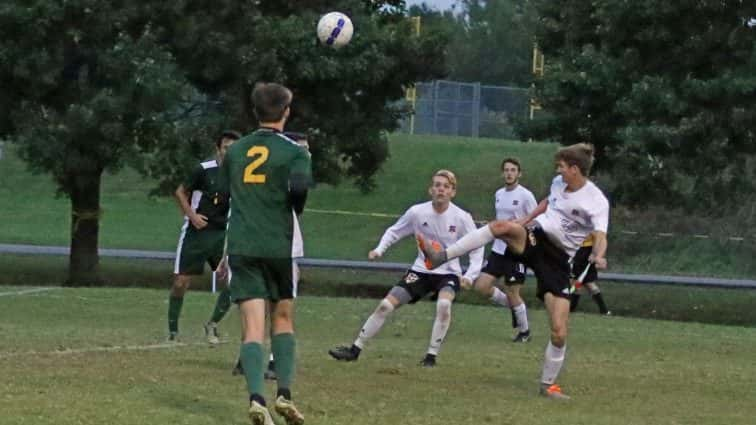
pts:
[579, 154]
[227, 134]
[270, 100]
[511, 160]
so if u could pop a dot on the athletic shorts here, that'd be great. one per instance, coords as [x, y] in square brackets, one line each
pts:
[421, 284]
[550, 264]
[580, 262]
[506, 265]
[197, 247]
[271, 279]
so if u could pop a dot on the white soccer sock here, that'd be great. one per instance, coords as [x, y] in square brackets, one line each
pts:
[499, 297]
[593, 288]
[374, 323]
[440, 325]
[475, 239]
[521, 313]
[553, 359]
[271, 357]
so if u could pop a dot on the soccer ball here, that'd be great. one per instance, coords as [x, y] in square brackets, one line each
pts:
[335, 29]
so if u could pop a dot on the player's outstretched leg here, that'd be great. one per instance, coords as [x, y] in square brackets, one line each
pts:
[434, 256]
[370, 328]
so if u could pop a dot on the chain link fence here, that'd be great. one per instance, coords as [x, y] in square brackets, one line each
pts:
[454, 108]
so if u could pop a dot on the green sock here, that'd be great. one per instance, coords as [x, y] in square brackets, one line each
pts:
[221, 306]
[284, 350]
[174, 311]
[251, 355]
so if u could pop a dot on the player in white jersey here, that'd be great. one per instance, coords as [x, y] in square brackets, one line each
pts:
[511, 202]
[445, 223]
[574, 209]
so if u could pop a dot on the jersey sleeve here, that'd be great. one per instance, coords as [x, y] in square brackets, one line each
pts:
[476, 255]
[301, 167]
[399, 230]
[600, 214]
[530, 202]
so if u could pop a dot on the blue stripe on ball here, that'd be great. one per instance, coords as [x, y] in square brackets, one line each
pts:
[336, 31]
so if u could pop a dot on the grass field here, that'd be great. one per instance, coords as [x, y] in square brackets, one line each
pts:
[94, 356]
[131, 219]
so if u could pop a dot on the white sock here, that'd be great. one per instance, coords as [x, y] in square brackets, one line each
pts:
[553, 359]
[271, 357]
[475, 239]
[521, 313]
[593, 288]
[440, 325]
[499, 297]
[374, 323]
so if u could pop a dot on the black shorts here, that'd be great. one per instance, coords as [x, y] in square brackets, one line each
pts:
[550, 264]
[506, 265]
[580, 262]
[421, 284]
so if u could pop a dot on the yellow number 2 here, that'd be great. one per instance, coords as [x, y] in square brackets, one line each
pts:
[260, 153]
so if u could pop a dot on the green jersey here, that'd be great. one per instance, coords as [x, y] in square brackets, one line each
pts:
[257, 170]
[207, 195]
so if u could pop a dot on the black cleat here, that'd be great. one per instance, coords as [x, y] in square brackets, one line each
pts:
[342, 352]
[270, 374]
[522, 337]
[435, 255]
[238, 368]
[428, 361]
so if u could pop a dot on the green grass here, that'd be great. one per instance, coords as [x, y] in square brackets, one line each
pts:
[131, 219]
[618, 370]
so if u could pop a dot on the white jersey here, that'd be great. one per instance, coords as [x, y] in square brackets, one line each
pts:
[446, 228]
[571, 216]
[511, 205]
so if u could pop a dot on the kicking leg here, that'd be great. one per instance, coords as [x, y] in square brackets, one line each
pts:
[511, 232]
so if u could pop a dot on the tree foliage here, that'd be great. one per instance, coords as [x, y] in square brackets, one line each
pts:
[666, 91]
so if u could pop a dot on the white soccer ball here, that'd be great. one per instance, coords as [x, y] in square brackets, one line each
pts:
[335, 29]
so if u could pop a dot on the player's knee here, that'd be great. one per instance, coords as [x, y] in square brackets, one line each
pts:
[384, 308]
[501, 228]
[559, 335]
[593, 288]
[443, 310]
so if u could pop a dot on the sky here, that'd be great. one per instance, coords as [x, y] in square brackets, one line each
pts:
[436, 4]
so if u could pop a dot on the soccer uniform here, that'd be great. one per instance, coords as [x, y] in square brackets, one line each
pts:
[446, 228]
[263, 233]
[580, 262]
[510, 205]
[558, 233]
[197, 246]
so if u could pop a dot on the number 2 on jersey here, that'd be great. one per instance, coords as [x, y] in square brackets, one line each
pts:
[260, 155]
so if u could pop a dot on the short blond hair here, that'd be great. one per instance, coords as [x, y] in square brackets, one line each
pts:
[449, 176]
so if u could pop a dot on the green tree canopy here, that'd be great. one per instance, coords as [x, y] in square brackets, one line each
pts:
[93, 85]
[666, 91]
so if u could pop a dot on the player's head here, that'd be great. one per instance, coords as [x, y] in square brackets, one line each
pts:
[511, 171]
[271, 102]
[573, 159]
[443, 187]
[226, 139]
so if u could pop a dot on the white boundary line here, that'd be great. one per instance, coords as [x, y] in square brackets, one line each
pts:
[113, 349]
[27, 291]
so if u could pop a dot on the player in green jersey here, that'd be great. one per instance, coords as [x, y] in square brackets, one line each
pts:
[205, 207]
[267, 175]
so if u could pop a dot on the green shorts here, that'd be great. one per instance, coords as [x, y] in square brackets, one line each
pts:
[267, 278]
[197, 247]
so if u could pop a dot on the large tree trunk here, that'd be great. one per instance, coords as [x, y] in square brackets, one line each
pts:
[85, 228]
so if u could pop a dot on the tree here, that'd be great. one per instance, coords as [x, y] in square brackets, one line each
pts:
[94, 85]
[666, 92]
[493, 42]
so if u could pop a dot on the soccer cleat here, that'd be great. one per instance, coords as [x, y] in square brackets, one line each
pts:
[342, 352]
[211, 333]
[607, 313]
[173, 337]
[553, 392]
[270, 374]
[434, 254]
[522, 337]
[288, 411]
[259, 414]
[238, 368]
[428, 361]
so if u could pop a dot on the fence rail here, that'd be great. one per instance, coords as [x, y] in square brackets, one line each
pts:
[650, 279]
